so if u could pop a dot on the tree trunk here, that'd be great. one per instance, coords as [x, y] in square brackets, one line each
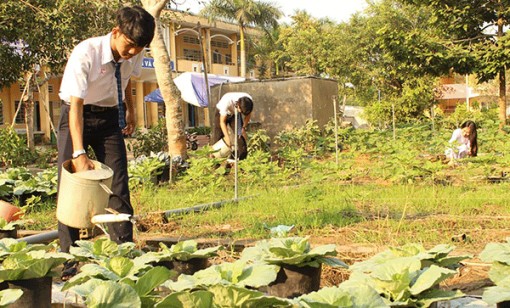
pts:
[243, 52]
[502, 83]
[29, 116]
[502, 98]
[169, 91]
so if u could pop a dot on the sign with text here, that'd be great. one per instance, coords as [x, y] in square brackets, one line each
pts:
[149, 63]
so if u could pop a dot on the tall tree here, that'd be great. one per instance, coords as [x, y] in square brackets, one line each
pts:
[36, 36]
[478, 28]
[169, 91]
[304, 43]
[245, 13]
[379, 52]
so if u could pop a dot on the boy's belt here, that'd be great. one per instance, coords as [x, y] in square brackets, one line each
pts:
[97, 109]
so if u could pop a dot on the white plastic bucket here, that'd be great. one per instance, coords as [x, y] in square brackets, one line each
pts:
[81, 194]
[221, 150]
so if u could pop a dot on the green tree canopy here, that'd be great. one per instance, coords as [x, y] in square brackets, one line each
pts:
[478, 29]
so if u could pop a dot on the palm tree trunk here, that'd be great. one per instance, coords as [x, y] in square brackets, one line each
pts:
[243, 52]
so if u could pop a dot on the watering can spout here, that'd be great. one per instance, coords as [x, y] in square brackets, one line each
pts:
[107, 218]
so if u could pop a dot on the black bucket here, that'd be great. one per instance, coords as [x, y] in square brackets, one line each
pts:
[504, 304]
[8, 233]
[293, 281]
[36, 292]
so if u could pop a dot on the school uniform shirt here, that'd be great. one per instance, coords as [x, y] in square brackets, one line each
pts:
[461, 145]
[226, 105]
[458, 138]
[90, 73]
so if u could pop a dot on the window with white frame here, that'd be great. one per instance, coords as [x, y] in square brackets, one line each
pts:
[191, 40]
[219, 44]
[217, 57]
[192, 54]
[228, 59]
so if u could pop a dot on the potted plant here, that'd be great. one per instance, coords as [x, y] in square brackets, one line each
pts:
[10, 246]
[183, 257]
[103, 249]
[300, 265]
[9, 229]
[238, 273]
[119, 282]
[438, 255]
[347, 294]
[404, 282]
[499, 255]
[220, 295]
[31, 271]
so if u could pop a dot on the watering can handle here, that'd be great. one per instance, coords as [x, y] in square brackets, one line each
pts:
[106, 188]
[111, 194]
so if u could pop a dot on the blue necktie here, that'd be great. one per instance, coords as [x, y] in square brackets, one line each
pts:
[122, 114]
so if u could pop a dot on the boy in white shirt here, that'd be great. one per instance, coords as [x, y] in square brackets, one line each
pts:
[225, 117]
[96, 111]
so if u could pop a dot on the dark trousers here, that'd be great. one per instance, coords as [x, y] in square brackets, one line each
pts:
[217, 134]
[101, 132]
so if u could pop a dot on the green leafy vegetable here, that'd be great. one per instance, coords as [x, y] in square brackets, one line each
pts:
[237, 273]
[31, 264]
[292, 250]
[9, 296]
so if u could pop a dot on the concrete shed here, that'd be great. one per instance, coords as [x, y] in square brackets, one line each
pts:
[283, 104]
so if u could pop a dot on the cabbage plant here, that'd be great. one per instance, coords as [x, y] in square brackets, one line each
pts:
[103, 249]
[438, 255]
[237, 273]
[9, 296]
[181, 251]
[403, 282]
[499, 255]
[123, 292]
[347, 294]
[9, 246]
[9, 226]
[31, 264]
[116, 269]
[292, 251]
[222, 296]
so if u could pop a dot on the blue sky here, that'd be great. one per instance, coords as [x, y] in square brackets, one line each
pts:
[337, 10]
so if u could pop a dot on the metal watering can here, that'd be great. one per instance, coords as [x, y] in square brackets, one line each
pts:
[83, 197]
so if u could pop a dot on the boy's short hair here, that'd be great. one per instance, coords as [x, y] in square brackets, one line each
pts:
[136, 24]
[246, 105]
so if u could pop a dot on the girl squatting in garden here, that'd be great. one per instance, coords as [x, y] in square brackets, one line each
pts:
[463, 142]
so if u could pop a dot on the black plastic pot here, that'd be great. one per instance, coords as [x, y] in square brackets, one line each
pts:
[293, 281]
[185, 267]
[505, 304]
[8, 233]
[36, 292]
[164, 176]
